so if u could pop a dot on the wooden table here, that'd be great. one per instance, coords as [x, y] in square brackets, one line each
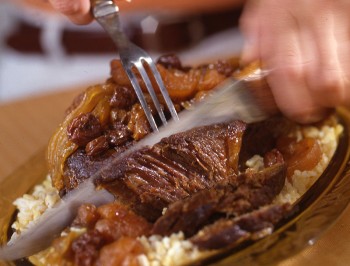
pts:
[25, 128]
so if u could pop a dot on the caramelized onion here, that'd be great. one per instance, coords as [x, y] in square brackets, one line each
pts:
[60, 147]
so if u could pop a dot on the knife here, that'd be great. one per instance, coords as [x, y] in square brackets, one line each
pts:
[248, 99]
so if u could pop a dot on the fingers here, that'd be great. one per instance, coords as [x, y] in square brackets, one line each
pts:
[78, 11]
[284, 55]
[325, 76]
[249, 24]
[328, 74]
[309, 54]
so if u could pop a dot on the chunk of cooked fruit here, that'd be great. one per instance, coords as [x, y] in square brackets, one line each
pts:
[122, 252]
[138, 123]
[117, 220]
[108, 226]
[86, 247]
[83, 129]
[97, 146]
[102, 236]
[300, 155]
[182, 83]
[87, 216]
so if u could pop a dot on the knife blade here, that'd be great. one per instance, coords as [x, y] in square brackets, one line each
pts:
[248, 99]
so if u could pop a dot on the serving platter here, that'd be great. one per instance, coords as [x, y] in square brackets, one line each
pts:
[313, 214]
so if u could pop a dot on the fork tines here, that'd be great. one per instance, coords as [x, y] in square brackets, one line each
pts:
[140, 66]
[133, 57]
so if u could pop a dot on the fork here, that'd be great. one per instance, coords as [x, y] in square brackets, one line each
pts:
[133, 57]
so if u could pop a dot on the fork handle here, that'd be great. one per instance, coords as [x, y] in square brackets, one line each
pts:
[106, 12]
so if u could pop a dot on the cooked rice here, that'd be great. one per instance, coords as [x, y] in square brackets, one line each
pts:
[327, 137]
[170, 250]
[175, 250]
[255, 163]
[31, 206]
[163, 251]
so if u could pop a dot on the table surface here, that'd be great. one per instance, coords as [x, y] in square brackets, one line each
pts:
[26, 126]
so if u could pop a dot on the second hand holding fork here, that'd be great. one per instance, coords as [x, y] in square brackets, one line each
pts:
[133, 57]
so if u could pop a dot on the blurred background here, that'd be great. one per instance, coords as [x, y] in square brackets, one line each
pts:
[42, 52]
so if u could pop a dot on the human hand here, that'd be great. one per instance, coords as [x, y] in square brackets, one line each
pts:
[78, 11]
[306, 44]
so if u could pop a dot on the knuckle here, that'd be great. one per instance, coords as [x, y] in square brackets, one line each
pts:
[329, 89]
[301, 111]
[305, 115]
[293, 72]
[330, 83]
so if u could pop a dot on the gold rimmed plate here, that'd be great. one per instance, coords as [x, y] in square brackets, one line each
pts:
[312, 215]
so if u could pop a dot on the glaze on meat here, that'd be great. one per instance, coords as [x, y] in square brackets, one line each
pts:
[195, 182]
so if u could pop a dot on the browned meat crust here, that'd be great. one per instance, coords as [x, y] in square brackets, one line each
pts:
[199, 175]
[227, 233]
[108, 117]
[150, 179]
[249, 191]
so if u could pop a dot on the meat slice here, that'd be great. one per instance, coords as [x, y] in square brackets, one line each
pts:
[226, 233]
[249, 192]
[150, 179]
[79, 166]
